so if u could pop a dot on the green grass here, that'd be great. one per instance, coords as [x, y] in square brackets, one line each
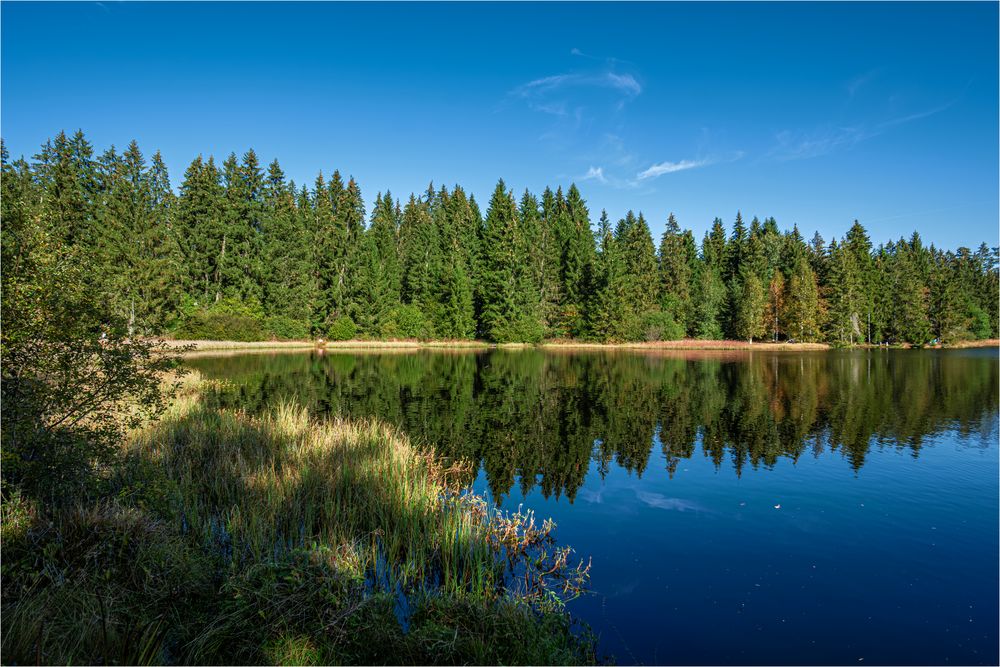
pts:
[280, 539]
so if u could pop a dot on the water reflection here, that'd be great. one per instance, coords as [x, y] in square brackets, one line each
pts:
[540, 419]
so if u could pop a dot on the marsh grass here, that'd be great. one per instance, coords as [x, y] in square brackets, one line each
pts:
[281, 539]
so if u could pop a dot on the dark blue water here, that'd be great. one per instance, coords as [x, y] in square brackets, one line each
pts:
[838, 507]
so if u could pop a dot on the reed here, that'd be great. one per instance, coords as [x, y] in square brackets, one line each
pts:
[279, 538]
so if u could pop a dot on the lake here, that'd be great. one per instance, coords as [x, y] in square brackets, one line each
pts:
[751, 508]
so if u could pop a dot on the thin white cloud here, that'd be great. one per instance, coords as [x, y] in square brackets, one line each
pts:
[800, 145]
[792, 145]
[671, 167]
[916, 116]
[859, 82]
[623, 83]
[595, 174]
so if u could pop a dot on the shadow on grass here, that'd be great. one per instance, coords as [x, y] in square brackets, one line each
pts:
[277, 539]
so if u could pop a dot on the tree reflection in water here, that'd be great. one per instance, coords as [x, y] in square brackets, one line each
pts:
[541, 418]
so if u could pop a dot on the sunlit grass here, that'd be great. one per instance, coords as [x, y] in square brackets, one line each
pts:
[280, 538]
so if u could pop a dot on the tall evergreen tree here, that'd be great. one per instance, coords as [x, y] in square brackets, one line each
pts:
[201, 230]
[676, 264]
[420, 257]
[287, 258]
[502, 308]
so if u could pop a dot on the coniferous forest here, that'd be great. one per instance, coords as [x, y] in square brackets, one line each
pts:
[240, 252]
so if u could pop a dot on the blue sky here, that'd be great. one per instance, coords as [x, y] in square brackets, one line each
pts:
[816, 114]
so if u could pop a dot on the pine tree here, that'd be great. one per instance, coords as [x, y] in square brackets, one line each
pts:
[201, 230]
[909, 320]
[239, 256]
[500, 243]
[287, 259]
[608, 312]
[350, 210]
[676, 264]
[421, 262]
[950, 320]
[641, 276]
[330, 246]
[577, 242]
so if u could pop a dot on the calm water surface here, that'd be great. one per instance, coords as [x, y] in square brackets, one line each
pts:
[836, 507]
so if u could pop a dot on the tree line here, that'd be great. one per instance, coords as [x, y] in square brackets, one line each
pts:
[241, 252]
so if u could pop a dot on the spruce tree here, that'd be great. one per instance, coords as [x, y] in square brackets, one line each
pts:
[287, 266]
[676, 273]
[641, 276]
[421, 262]
[201, 231]
[609, 314]
[500, 257]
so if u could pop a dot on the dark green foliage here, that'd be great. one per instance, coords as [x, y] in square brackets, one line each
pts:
[287, 269]
[677, 264]
[242, 241]
[219, 324]
[507, 309]
[409, 322]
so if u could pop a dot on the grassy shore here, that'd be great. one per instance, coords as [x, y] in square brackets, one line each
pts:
[196, 347]
[227, 538]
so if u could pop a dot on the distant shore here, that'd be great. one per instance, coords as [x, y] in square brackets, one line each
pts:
[200, 346]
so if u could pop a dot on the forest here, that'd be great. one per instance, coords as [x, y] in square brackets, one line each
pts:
[239, 252]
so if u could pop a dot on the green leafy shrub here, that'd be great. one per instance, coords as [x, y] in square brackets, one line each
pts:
[285, 328]
[524, 329]
[409, 322]
[660, 325]
[343, 328]
[73, 380]
[980, 326]
[218, 325]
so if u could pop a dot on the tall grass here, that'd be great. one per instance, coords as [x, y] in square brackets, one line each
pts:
[279, 538]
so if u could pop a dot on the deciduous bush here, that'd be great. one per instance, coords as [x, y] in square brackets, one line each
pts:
[285, 328]
[343, 328]
[660, 325]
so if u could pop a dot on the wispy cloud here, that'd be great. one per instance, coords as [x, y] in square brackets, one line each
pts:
[607, 59]
[862, 80]
[595, 174]
[660, 501]
[670, 167]
[623, 83]
[661, 168]
[798, 145]
[792, 145]
[916, 116]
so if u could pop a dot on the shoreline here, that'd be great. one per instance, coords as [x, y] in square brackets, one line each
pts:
[203, 346]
